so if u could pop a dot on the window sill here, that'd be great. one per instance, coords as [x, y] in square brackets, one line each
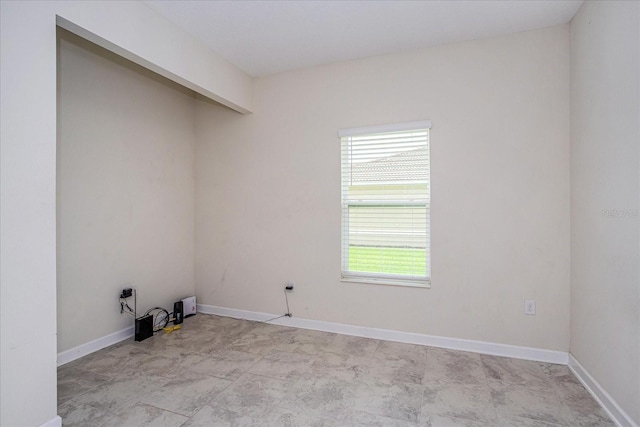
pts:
[389, 282]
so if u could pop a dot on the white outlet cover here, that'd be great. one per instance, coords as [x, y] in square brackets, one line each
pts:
[530, 307]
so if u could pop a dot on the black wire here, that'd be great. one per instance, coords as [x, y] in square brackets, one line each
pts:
[286, 298]
[124, 304]
[157, 319]
[288, 313]
[275, 318]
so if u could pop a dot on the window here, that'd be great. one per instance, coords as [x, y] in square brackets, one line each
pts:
[385, 204]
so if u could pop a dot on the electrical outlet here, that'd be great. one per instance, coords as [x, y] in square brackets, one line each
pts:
[530, 307]
[289, 286]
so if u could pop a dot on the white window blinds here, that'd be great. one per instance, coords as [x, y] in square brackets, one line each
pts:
[385, 204]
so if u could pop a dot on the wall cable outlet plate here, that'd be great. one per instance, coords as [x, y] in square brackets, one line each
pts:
[530, 307]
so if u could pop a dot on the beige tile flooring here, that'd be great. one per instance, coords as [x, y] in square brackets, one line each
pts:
[219, 371]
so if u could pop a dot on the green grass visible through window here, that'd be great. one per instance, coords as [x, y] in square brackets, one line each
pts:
[388, 260]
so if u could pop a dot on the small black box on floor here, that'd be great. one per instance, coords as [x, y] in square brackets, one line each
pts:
[144, 327]
[178, 314]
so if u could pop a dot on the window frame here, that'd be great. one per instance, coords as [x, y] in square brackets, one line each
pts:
[382, 278]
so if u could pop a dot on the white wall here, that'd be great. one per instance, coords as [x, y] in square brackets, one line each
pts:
[125, 190]
[268, 190]
[27, 225]
[28, 172]
[605, 280]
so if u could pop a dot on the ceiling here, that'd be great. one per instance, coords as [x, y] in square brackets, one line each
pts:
[267, 37]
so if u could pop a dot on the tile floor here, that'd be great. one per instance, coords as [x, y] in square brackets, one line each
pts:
[219, 371]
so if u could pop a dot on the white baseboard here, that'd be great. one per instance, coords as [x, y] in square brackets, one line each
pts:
[608, 403]
[482, 347]
[95, 345]
[53, 422]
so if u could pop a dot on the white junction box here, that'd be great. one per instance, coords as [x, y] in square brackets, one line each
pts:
[530, 307]
[189, 306]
